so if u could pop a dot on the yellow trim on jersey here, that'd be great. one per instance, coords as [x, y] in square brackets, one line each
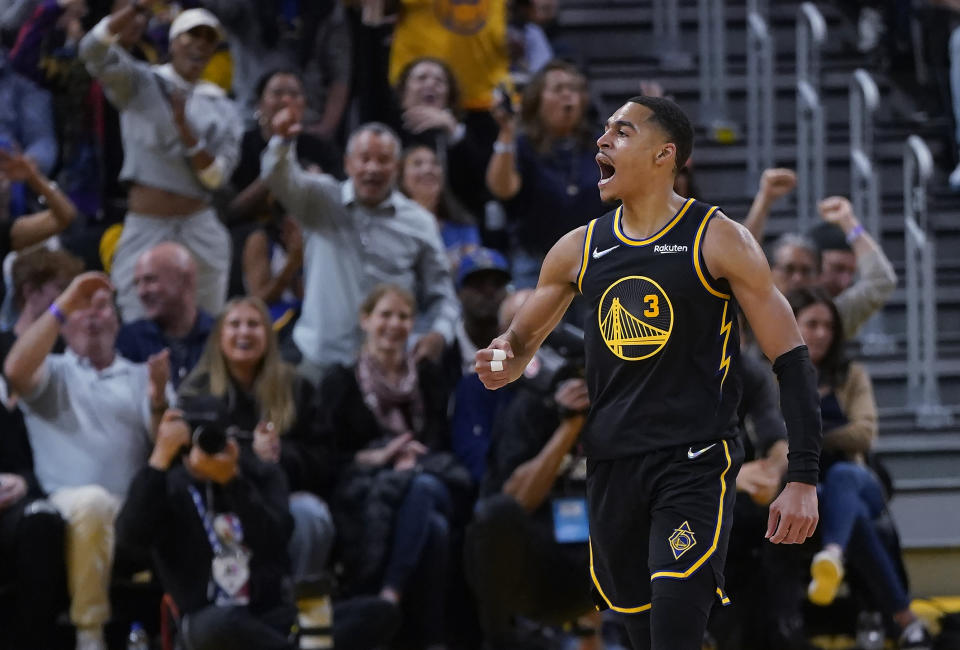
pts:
[716, 534]
[724, 599]
[586, 254]
[726, 326]
[696, 257]
[649, 240]
[596, 583]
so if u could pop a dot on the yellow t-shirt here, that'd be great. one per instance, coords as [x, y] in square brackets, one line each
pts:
[469, 35]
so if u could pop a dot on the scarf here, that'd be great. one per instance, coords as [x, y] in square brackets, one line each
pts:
[398, 406]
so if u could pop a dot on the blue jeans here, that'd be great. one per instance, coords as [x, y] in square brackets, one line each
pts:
[851, 499]
[312, 538]
[417, 567]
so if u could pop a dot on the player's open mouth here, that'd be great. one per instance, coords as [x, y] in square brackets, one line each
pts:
[607, 170]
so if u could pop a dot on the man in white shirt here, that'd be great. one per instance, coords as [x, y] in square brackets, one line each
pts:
[89, 415]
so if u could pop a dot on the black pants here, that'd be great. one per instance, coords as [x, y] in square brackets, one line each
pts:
[33, 569]
[216, 628]
[516, 568]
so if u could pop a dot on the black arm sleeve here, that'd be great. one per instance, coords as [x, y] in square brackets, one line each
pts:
[800, 403]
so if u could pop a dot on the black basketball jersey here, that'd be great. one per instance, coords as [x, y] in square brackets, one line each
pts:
[661, 336]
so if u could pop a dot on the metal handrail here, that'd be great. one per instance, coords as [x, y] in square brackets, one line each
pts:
[923, 390]
[864, 190]
[760, 95]
[711, 38]
[811, 118]
[666, 29]
[864, 101]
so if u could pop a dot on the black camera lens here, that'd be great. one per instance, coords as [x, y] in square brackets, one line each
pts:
[210, 438]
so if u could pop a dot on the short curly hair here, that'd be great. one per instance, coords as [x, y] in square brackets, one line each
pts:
[40, 266]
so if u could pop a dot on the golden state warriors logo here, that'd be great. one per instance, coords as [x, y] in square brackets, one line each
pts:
[465, 17]
[682, 540]
[635, 317]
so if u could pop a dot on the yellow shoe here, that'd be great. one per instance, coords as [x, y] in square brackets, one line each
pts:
[827, 572]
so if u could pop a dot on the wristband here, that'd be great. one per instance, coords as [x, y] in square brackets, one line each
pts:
[504, 147]
[59, 315]
[854, 234]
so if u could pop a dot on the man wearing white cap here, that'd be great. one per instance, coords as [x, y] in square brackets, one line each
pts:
[181, 141]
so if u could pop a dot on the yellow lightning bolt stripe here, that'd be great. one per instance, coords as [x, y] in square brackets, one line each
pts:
[725, 330]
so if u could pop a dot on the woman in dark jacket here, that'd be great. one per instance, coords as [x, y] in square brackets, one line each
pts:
[393, 501]
[262, 395]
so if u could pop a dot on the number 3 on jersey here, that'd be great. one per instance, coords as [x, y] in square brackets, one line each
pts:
[653, 305]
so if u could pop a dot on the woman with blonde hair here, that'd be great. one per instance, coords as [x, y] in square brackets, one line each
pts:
[260, 393]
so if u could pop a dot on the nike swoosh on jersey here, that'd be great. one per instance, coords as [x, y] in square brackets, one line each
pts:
[598, 254]
[691, 454]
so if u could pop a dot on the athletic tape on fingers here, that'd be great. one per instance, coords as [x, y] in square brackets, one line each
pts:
[496, 365]
[499, 355]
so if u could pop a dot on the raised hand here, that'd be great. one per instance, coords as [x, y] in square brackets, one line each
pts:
[78, 295]
[17, 166]
[287, 122]
[266, 442]
[777, 182]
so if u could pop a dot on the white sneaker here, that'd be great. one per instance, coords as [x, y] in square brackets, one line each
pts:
[915, 637]
[90, 638]
[827, 572]
[869, 29]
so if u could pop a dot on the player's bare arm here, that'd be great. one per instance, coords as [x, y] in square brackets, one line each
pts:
[730, 252]
[504, 360]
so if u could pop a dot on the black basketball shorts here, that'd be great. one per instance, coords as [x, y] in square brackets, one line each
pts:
[660, 516]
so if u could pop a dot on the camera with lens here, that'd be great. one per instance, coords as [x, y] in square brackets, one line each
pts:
[209, 429]
[561, 357]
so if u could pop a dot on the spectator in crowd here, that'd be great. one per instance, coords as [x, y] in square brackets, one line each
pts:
[546, 174]
[422, 179]
[310, 37]
[852, 497]
[273, 268]
[13, 13]
[526, 551]
[165, 278]
[276, 90]
[482, 283]
[26, 123]
[357, 234]
[89, 414]
[396, 492]
[775, 183]
[181, 142]
[263, 395]
[472, 41]
[218, 525]
[796, 263]
[21, 233]
[31, 530]
[530, 49]
[39, 276]
[88, 127]
[430, 114]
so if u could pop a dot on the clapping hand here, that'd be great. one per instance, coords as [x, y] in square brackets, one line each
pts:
[18, 167]
[266, 442]
[777, 182]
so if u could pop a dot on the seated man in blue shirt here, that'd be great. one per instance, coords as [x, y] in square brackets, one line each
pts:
[165, 278]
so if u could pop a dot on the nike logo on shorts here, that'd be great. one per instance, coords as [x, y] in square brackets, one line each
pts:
[598, 254]
[691, 454]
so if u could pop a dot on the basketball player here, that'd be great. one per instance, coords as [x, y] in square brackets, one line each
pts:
[663, 277]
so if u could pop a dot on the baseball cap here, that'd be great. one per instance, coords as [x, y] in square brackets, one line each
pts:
[482, 259]
[193, 18]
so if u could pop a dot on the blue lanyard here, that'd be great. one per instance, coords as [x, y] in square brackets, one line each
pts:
[207, 523]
